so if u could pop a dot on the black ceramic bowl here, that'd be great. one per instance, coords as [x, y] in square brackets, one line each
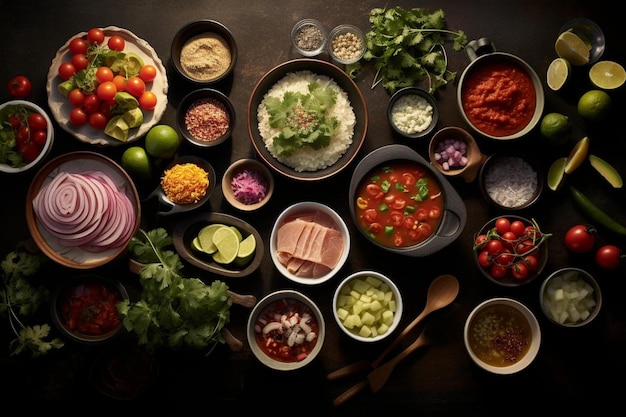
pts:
[205, 102]
[322, 68]
[421, 118]
[196, 28]
[452, 216]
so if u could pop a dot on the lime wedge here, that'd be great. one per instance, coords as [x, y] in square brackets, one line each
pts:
[237, 232]
[577, 155]
[558, 73]
[247, 247]
[227, 243]
[607, 171]
[195, 244]
[205, 237]
[556, 174]
[571, 47]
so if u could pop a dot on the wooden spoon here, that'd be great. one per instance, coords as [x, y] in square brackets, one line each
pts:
[441, 292]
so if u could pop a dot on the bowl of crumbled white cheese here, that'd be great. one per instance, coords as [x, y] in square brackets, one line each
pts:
[412, 112]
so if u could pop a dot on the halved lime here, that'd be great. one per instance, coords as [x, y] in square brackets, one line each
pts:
[205, 237]
[247, 248]
[571, 47]
[577, 155]
[227, 243]
[607, 75]
[558, 73]
[556, 174]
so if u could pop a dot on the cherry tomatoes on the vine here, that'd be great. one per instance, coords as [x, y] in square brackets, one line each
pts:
[502, 225]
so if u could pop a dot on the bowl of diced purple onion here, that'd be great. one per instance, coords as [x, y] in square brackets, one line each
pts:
[455, 153]
[247, 184]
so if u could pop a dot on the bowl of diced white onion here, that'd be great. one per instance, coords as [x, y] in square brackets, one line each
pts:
[412, 112]
[570, 297]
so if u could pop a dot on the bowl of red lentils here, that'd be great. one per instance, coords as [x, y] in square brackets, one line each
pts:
[206, 117]
[346, 44]
[247, 184]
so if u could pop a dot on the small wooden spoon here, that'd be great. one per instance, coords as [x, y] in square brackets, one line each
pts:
[441, 292]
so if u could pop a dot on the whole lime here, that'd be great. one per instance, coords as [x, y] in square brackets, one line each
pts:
[162, 141]
[137, 162]
[594, 105]
[554, 127]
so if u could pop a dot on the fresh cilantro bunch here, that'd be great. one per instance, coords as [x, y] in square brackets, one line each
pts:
[408, 45]
[173, 311]
[302, 119]
[19, 299]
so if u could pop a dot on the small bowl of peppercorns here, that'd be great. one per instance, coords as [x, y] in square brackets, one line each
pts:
[346, 44]
[247, 184]
[206, 117]
[308, 37]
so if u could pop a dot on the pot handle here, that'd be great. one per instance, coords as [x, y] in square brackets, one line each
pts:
[478, 47]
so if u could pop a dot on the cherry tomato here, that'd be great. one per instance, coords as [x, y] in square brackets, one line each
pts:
[519, 270]
[91, 103]
[80, 62]
[78, 116]
[494, 246]
[502, 225]
[106, 90]
[97, 120]
[484, 259]
[120, 82]
[104, 74]
[517, 227]
[76, 97]
[504, 258]
[29, 151]
[509, 238]
[498, 271]
[480, 240]
[148, 73]
[135, 86]
[19, 86]
[37, 122]
[78, 46]
[116, 43]
[531, 261]
[524, 246]
[67, 70]
[95, 36]
[39, 137]
[580, 238]
[15, 121]
[608, 256]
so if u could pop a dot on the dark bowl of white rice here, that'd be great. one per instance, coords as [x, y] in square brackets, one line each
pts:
[308, 161]
[511, 181]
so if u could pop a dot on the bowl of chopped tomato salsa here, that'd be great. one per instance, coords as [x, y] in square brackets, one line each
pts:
[84, 308]
[499, 94]
[402, 204]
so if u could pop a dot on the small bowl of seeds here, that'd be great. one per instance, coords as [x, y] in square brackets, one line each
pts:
[346, 44]
[308, 37]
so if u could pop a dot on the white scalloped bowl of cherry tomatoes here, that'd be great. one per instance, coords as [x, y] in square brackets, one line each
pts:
[31, 128]
[511, 250]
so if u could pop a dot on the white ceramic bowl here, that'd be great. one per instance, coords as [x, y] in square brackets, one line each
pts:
[489, 316]
[313, 331]
[570, 297]
[256, 168]
[47, 147]
[328, 223]
[378, 286]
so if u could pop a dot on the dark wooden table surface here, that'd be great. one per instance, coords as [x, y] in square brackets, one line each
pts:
[574, 368]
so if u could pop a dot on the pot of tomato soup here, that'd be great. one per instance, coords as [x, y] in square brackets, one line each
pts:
[402, 204]
[499, 95]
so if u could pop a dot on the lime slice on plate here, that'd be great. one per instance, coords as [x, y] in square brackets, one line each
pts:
[247, 247]
[558, 73]
[227, 243]
[205, 237]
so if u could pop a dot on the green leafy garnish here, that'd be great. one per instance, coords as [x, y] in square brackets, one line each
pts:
[173, 311]
[407, 46]
[19, 300]
[302, 119]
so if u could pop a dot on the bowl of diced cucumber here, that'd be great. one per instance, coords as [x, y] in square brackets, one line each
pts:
[367, 306]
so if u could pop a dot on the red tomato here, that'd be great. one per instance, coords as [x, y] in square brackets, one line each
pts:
[517, 227]
[484, 259]
[37, 122]
[19, 86]
[524, 246]
[148, 100]
[531, 261]
[30, 151]
[76, 97]
[480, 240]
[148, 73]
[78, 116]
[67, 70]
[519, 270]
[120, 82]
[494, 246]
[116, 43]
[95, 36]
[80, 62]
[608, 257]
[502, 225]
[580, 238]
[370, 215]
[135, 86]
[78, 46]
[106, 90]
[498, 271]
[97, 120]
[509, 238]
[39, 137]
[504, 258]
[434, 213]
[104, 74]
[91, 103]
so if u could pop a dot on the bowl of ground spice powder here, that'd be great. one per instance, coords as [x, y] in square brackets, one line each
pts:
[205, 117]
[204, 52]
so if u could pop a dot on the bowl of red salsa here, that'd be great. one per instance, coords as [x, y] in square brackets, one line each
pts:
[402, 204]
[286, 330]
[84, 308]
[499, 94]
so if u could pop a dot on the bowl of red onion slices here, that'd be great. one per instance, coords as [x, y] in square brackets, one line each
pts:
[82, 210]
[247, 184]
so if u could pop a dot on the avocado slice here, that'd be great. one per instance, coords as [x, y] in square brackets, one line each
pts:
[607, 171]
[133, 117]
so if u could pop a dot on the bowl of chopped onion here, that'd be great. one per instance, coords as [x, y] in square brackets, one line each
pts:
[570, 297]
[247, 184]
[455, 153]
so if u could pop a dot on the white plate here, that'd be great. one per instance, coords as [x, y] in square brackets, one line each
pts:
[60, 105]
